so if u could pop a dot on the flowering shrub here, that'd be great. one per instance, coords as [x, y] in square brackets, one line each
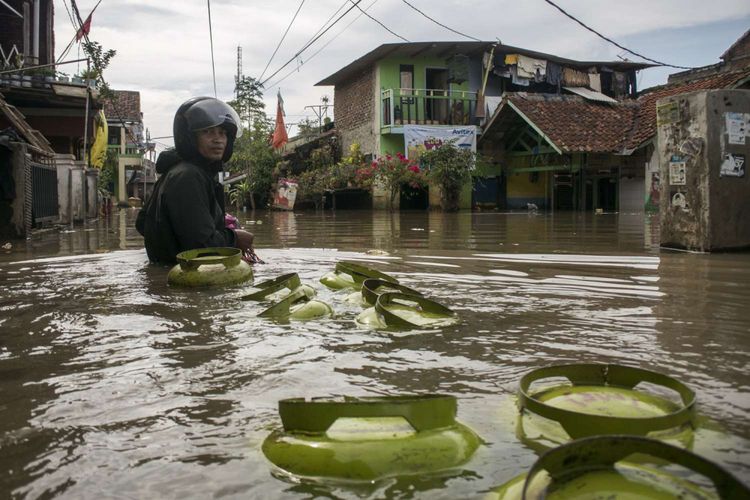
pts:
[393, 172]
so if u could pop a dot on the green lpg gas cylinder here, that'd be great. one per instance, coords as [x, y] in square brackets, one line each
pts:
[405, 311]
[351, 275]
[203, 267]
[369, 438]
[623, 468]
[597, 399]
[278, 288]
[298, 306]
[374, 287]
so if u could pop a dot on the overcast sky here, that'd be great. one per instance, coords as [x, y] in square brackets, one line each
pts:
[163, 48]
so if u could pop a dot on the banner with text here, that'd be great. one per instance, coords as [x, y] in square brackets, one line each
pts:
[420, 138]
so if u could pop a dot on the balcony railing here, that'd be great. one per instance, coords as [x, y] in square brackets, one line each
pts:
[427, 107]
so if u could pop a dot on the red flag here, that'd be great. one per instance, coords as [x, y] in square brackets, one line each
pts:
[85, 28]
[280, 136]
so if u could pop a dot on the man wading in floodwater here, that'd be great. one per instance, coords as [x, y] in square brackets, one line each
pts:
[186, 209]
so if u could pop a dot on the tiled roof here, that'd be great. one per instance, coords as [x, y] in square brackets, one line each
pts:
[645, 125]
[126, 106]
[574, 124]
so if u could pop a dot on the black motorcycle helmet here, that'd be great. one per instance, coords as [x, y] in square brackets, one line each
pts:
[198, 113]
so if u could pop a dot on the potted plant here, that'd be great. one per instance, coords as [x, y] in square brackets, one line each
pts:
[394, 172]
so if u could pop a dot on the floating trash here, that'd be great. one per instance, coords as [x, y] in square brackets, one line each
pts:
[279, 288]
[299, 306]
[369, 438]
[600, 399]
[403, 310]
[203, 267]
[605, 467]
[351, 275]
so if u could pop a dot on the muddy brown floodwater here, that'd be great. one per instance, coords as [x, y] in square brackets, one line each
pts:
[113, 385]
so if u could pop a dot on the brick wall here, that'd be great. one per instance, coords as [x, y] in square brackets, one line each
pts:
[354, 111]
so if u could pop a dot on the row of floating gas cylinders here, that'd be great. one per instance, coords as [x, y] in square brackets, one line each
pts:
[615, 432]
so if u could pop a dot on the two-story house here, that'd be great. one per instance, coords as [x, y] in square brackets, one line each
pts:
[48, 114]
[441, 85]
[135, 175]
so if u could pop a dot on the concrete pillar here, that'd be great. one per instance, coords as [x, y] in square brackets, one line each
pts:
[92, 193]
[64, 164]
[703, 147]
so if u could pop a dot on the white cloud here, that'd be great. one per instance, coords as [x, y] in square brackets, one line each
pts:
[163, 50]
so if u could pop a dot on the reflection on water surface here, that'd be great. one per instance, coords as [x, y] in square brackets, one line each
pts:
[110, 381]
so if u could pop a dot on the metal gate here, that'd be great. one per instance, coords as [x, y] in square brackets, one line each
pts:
[41, 191]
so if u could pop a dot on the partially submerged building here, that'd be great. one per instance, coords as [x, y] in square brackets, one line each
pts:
[440, 86]
[561, 134]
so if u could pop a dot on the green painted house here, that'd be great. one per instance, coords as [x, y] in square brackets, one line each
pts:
[449, 84]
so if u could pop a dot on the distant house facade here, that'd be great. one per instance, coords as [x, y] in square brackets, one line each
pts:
[135, 172]
[43, 115]
[449, 84]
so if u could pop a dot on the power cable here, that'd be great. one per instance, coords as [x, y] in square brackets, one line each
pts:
[323, 47]
[441, 24]
[612, 41]
[381, 24]
[282, 39]
[211, 36]
[346, 2]
[311, 42]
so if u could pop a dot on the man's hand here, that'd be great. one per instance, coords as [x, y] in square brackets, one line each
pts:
[243, 239]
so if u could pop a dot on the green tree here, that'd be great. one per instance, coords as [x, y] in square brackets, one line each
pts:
[451, 168]
[307, 128]
[249, 102]
[254, 156]
[100, 59]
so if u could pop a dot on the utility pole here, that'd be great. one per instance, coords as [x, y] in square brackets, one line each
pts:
[238, 78]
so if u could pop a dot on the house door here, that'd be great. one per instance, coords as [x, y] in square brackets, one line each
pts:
[436, 107]
[607, 194]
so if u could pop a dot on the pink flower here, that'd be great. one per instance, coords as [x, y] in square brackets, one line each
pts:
[374, 164]
[414, 168]
[400, 156]
[388, 157]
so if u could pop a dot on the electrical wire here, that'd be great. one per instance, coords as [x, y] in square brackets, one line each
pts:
[612, 41]
[346, 2]
[381, 24]
[321, 48]
[441, 24]
[311, 42]
[211, 36]
[282, 39]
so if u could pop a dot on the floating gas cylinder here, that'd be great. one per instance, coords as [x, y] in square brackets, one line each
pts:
[406, 311]
[369, 438]
[204, 267]
[374, 287]
[351, 275]
[278, 288]
[298, 306]
[601, 399]
[616, 467]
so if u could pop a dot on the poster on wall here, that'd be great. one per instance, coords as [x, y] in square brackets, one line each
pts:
[419, 138]
[737, 127]
[732, 166]
[677, 175]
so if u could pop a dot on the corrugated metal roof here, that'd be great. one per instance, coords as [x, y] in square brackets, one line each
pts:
[591, 95]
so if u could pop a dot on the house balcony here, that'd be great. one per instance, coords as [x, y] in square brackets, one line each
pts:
[399, 107]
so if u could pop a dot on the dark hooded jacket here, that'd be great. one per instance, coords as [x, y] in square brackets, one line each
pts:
[185, 210]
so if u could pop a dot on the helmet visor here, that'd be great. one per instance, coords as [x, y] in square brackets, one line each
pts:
[211, 113]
